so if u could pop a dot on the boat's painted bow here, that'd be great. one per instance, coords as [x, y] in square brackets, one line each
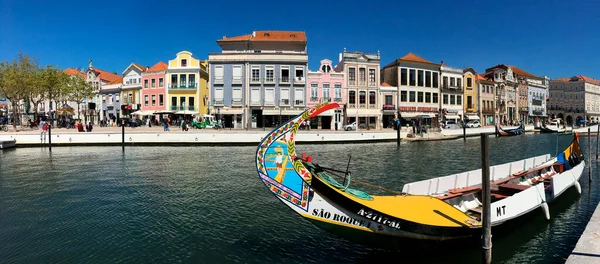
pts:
[276, 162]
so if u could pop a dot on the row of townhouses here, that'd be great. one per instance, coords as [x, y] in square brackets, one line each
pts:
[262, 79]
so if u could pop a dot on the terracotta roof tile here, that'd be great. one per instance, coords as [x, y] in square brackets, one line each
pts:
[562, 79]
[117, 81]
[71, 71]
[269, 35]
[160, 66]
[520, 72]
[412, 57]
[588, 79]
[107, 76]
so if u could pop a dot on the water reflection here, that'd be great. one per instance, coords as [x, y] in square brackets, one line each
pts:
[206, 204]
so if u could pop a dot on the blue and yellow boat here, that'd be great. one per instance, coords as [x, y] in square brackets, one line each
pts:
[443, 208]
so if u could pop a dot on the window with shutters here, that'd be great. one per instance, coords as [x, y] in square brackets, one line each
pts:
[326, 94]
[299, 97]
[218, 96]
[255, 96]
[285, 96]
[337, 92]
[270, 96]
[237, 97]
[218, 74]
[237, 74]
[314, 91]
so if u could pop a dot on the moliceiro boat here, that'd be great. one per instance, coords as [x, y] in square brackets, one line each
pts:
[441, 208]
[510, 132]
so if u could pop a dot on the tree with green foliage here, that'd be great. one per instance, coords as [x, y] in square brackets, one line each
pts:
[54, 85]
[15, 82]
[79, 91]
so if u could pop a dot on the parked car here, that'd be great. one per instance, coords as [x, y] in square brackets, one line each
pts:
[474, 123]
[450, 124]
[350, 126]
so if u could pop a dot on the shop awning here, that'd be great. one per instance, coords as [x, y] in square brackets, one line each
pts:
[452, 116]
[281, 112]
[229, 111]
[186, 112]
[472, 117]
[143, 113]
[415, 114]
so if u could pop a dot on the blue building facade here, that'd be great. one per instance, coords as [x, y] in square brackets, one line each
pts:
[257, 82]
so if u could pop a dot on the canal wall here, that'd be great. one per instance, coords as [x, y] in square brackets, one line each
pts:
[587, 249]
[188, 138]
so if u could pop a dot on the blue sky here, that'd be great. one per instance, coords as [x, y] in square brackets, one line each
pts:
[544, 37]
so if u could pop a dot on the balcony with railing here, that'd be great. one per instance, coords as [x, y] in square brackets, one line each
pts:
[337, 99]
[325, 99]
[218, 101]
[183, 108]
[284, 79]
[255, 102]
[218, 79]
[314, 99]
[284, 102]
[236, 102]
[488, 111]
[351, 82]
[183, 86]
[255, 80]
[299, 80]
[269, 102]
[269, 79]
[236, 80]
[451, 88]
[299, 102]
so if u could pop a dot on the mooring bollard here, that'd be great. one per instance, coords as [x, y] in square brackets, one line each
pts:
[398, 127]
[590, 153]
[597, 137]
[123, 134]
[486, 237]
[50, 137]
[464, 132]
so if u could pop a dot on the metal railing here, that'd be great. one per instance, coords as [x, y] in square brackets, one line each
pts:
[183, 86]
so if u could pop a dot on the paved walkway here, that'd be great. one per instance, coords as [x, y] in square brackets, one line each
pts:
[587, 249]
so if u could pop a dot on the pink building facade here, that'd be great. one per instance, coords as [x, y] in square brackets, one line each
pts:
[154, 94]
[326, 85]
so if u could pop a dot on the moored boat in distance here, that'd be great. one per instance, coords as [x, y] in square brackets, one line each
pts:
[510, 132]
[555, 126]
[442, 208]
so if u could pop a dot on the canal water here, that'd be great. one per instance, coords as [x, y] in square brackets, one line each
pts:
[207, 205]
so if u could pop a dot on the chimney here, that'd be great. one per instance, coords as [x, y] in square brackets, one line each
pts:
[340, 58]
[147, 68]
[224, 36]
[253, 33]
[442, 62]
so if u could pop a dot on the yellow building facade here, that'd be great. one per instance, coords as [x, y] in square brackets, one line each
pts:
[187, 90]
[470, 94]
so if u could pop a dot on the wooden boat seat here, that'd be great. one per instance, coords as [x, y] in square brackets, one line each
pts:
[498, 195]
[513, 188]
